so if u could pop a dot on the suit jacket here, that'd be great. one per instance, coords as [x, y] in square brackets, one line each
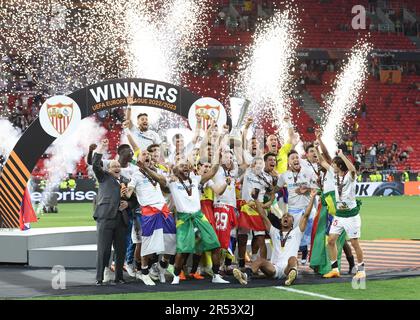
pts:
[108, 198]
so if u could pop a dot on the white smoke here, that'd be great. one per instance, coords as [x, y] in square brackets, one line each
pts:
[9, 135]
[67, 151]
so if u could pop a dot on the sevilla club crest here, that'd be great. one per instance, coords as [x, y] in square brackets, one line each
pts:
[207, 114]
[60, 116]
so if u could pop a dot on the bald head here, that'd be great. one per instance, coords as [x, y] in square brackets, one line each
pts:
[114, 168]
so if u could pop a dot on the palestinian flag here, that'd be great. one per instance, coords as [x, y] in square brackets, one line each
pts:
[249, 218]
[319, 259]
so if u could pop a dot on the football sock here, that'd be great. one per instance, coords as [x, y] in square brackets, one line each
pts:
[215, 268]
[163, 264]
[196, 262]
[350, 260]
[304, 250]
[145, 270]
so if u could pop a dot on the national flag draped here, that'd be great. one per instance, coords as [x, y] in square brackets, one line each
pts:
[26, 212]
[249, 218]
[319, 259]
[158, 231]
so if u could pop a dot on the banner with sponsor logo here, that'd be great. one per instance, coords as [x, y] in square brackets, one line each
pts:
[85, 191]
[60, 115]
[369, 189]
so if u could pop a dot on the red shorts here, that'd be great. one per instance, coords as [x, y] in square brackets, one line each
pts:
[225, 220]
[207, 209]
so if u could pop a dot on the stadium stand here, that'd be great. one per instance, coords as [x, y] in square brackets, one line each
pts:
[392, 110]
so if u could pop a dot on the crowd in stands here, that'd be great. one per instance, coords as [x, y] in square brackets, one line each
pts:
[19, 102]
[377, 156]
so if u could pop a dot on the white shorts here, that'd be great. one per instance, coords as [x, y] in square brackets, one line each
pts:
[136, 235]
[351, 225]
[280, 267]
[250, 232]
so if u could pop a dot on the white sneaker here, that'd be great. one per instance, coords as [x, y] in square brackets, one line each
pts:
[154, 272]
[108, 276]
[303, 262]
[130, 270]
[175, 280]
[162, 272]
[145, 278]
[218, 279]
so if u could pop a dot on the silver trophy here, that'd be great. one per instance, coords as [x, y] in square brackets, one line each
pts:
[238, 110]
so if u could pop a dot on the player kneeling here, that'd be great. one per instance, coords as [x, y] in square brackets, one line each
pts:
[286, 243]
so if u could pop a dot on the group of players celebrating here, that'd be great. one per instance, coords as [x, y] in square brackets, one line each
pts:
[208, 198]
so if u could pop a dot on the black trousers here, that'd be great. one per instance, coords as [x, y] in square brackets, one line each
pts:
[111, 233]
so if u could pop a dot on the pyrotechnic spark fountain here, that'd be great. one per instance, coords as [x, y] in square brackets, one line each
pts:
[348, 88]
[163, 46]
[65, 45]
[265, 70]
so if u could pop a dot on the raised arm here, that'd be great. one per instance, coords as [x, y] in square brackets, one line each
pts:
[156, 176]
[126, 126]
[324, 149]
[290, 129]
[321, 158]
[219, 189]
[268, 204]
[130, 102]
[97, 160]
[304, 221]
[212, 172]
[92, 148]
[263, 214]
[197, 130]
[205, 143]
[245, 142]
[348, 163]
[224, 137]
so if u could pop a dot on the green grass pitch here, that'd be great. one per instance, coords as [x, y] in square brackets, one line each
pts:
[382, 218]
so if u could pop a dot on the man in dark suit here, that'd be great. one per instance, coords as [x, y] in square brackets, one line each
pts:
[110, 216]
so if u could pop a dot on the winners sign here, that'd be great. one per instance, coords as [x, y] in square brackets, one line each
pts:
[146, 93]
[60, 115]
